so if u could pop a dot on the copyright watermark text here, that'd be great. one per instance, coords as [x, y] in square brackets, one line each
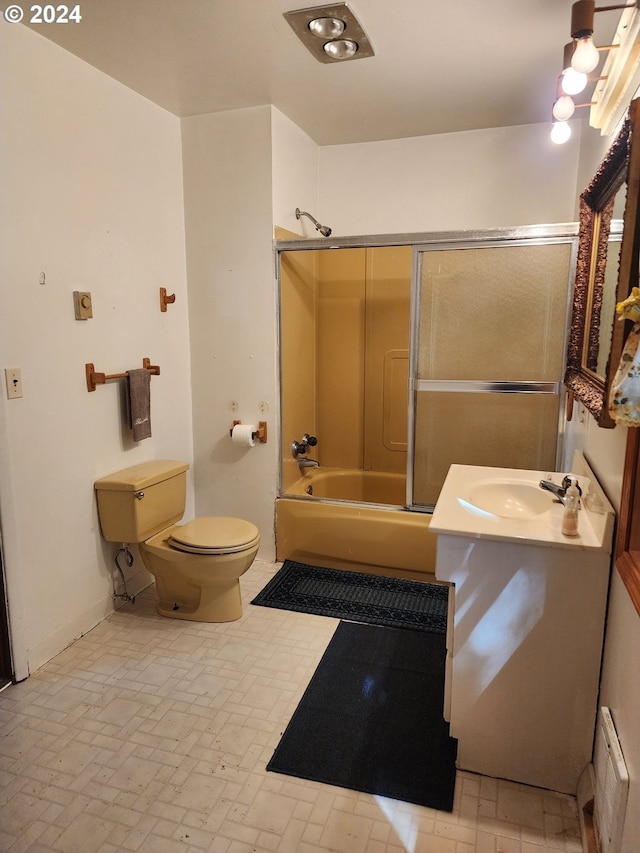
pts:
[48, 14]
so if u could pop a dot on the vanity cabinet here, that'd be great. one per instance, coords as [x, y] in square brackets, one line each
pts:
[524, 643]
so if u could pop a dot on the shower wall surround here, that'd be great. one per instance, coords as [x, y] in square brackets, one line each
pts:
[344, 322]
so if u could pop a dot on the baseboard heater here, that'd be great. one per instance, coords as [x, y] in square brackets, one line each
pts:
[611, 785]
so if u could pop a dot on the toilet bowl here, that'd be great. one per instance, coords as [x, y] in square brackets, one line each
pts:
[197, 565]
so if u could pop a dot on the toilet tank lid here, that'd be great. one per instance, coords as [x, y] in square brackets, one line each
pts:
[141, 476]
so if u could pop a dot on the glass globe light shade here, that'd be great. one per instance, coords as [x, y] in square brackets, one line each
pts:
[573, 82]
[560, 132]
[341, 48]
[585, 56]
[563, 108]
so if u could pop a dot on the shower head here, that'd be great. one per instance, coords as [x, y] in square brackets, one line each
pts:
[323, 229]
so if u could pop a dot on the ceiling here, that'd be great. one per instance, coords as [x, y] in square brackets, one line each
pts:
[438, 67]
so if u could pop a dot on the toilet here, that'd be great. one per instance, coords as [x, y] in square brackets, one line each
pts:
[197, 565]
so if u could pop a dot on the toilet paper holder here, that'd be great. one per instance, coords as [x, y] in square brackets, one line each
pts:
[259, 435]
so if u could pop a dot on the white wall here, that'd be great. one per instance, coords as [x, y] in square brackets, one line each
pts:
[92, 198]
[232, 297]
[620, 691]
[620, 679]
[492, 178]
[295, 175]
[245, 171]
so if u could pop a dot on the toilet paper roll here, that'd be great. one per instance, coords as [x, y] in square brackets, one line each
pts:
[242, 434]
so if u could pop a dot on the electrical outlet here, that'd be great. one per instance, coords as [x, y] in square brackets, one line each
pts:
[13, 378]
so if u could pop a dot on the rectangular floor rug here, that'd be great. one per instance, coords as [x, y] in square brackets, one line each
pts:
[357, 597]
[371, 718]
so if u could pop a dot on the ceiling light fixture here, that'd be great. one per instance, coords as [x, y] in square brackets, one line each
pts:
[327, 28]
[340, 48]
[330, 33]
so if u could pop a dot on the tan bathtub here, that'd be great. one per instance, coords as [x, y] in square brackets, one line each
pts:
[321, 520]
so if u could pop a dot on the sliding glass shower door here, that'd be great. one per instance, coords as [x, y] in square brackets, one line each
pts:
[489, 334]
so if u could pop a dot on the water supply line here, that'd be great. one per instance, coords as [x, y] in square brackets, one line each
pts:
[128, 556]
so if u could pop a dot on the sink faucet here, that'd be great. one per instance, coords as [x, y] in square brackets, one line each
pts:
[307, 463]
[559, 491]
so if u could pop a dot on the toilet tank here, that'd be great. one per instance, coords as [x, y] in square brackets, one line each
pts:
[138, 502]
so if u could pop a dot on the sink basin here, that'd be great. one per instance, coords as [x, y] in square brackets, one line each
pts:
[508, 505]
[510, 498]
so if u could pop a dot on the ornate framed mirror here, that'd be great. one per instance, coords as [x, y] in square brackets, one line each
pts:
[607, 268]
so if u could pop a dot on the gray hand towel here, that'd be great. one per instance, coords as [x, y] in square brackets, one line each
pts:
[140, 403]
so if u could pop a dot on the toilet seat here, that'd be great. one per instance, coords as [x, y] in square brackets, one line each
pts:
[214, 535]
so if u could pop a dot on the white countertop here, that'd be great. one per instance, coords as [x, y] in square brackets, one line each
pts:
[456, 515]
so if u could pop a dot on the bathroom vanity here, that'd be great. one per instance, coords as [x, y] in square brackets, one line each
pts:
[526, 621]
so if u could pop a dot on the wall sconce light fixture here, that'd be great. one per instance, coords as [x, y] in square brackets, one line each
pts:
[580, 58]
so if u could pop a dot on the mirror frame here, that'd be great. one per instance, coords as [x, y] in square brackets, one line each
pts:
[627, 551]
[621, 163]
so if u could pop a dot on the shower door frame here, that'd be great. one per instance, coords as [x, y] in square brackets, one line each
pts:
[525, 236]
[432, 241]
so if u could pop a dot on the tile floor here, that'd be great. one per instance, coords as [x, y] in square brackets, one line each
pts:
[151, 734]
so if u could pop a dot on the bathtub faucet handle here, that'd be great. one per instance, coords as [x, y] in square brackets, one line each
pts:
[300, 447]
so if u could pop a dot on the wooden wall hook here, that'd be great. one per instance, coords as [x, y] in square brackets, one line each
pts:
[166, 299]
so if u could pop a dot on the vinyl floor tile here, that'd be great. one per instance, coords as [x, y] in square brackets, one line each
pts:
[151, 735]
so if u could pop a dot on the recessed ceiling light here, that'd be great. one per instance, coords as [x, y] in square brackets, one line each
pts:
[340, 48]
[331, 33]
[327, 28]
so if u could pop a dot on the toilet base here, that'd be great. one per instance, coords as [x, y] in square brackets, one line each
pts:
[198, 587]
[221, 602]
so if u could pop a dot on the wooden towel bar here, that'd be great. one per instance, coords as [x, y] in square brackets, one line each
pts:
[94, 379]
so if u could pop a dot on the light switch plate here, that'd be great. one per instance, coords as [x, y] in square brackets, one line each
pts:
[13, 378]
[82, 305]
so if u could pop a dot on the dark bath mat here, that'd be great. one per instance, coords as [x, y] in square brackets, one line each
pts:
[371, 718]
[358, 597]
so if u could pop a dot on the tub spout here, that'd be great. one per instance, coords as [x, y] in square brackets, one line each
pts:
[307, 463]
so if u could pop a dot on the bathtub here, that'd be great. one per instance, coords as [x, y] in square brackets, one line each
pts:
[349, 519]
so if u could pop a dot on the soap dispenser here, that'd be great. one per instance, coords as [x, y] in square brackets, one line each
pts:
[571, 502]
